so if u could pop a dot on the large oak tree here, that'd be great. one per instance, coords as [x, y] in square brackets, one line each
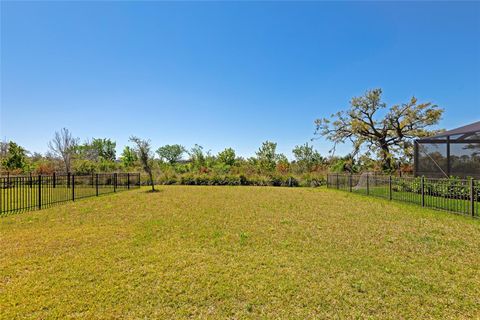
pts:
[386, 131]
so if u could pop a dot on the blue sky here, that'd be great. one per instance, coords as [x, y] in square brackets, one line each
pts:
[227, 74]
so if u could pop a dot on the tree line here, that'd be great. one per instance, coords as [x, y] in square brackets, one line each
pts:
[67, 154]
[381, 137]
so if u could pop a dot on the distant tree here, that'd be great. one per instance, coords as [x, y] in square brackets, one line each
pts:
[171, 153]
[266, 156]
[128, 157]
[282, 163]
[83, 166]
[227, 157]
[385, 135]
[85, 151]
[36, 156]
[3, 149]
[307, 157]
[105, 149]
[63, 145]
[15, 158]
[97, 150]
[197, 156]
[145, 155]
[44, 166]
[344, 164]
[107, 166]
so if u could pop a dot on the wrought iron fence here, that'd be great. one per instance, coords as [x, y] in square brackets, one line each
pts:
[23, 193]
[454, 195]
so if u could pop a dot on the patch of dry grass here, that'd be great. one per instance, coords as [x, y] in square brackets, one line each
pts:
[238, 252]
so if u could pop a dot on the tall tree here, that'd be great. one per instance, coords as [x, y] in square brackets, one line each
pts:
[63, 145]
[227, 157]
[15, 158]
[267, 156]
[145, 155]
[171, 153]
[128, 157]
[197, 156]
[306, 157]
[385, 131]
[105, 148]
[98, 150]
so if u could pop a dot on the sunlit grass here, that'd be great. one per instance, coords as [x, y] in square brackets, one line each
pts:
[239, 252]
[456, 204]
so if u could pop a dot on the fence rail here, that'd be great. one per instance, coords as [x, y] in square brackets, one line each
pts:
[23, 193]
[454, 195]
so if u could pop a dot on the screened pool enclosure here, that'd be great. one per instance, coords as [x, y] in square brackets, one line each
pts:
[451, 153]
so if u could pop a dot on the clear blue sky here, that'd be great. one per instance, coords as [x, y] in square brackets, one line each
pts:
[226, 74]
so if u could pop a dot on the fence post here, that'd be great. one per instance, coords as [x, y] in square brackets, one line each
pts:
[350, 182]
[73, 187]
[96, 184]
[30, 181]
[422, 188]
[368, 184]
[39, 192]
[338, 185]
[68, 179]
[472, 197]
[128, 181]
[390, 187]
[54, 179]
[115, 182]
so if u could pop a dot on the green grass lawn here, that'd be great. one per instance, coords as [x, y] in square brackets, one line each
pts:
[239, 252]
[457, 205]
[26, 198]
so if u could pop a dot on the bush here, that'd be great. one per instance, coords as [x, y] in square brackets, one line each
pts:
[169, 177]
[447, 188]
[81, 167]
[312, 180]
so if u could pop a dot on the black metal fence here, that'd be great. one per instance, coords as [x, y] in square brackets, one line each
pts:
[454, 195]
[23, 193]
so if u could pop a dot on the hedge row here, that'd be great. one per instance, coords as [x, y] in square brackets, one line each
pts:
[448, 188]
[241, 180]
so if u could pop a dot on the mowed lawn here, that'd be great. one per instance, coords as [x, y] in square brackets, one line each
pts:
[238, 252]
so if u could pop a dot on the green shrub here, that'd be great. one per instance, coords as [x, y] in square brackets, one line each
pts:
[169, 177]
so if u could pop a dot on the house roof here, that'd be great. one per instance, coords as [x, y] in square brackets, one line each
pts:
[465, 130]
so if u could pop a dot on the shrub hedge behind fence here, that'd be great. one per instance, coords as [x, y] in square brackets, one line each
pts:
[454, 195]
[306, 180]
[23, 193]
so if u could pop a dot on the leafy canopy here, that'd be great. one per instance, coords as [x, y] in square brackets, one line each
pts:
[128, 157]
[15, 158]
[385, 131]
[227, 157]
[171, 153]
[98, 150]
[267, 156]
[198, 157]
[307, 157]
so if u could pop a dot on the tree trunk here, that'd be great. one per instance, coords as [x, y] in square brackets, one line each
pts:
[151, 180]
[386, 158]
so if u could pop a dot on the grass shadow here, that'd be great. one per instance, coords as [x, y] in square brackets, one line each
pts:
[153, 191]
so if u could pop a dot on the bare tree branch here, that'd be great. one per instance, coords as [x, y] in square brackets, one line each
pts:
[63, 146]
